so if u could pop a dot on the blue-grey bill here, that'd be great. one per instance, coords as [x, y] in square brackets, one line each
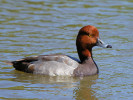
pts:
[100, 43]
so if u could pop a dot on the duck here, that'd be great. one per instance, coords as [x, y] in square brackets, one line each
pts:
[65, 65]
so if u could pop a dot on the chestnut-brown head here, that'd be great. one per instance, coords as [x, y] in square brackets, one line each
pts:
[87, 38]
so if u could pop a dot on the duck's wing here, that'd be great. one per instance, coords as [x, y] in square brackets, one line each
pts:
[75, 59]
[28, 64]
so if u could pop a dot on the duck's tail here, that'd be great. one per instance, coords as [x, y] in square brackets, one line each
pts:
[22, 64]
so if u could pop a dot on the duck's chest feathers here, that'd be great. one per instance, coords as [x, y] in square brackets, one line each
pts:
[88, 67]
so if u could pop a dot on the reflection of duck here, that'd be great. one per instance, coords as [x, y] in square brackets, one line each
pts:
[79, 88]
[53, 65]
[44, 79]
[84, 90]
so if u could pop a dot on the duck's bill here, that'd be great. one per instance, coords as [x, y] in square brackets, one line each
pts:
[100, 43]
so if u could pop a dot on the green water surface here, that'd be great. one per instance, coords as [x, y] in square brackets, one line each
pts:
[37, 27]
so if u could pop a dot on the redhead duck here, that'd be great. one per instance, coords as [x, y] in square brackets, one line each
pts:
[55, 64]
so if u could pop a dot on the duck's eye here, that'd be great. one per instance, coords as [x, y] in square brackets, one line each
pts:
[89, 35]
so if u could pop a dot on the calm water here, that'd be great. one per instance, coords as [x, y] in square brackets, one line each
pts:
[36, 27]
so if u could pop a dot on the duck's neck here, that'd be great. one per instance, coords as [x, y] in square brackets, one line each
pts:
[84, 54]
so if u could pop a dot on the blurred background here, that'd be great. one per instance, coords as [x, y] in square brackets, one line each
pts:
[37, 27]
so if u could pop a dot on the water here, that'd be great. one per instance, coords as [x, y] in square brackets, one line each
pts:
[30, 27]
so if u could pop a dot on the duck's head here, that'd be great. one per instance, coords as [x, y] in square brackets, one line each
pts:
[87, 38]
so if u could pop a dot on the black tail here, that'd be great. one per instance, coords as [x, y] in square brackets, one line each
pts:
[22, 64]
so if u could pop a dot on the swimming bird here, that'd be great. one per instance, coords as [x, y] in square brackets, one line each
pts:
[60, 64]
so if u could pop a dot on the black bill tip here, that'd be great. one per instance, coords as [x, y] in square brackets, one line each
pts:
[109, 46]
